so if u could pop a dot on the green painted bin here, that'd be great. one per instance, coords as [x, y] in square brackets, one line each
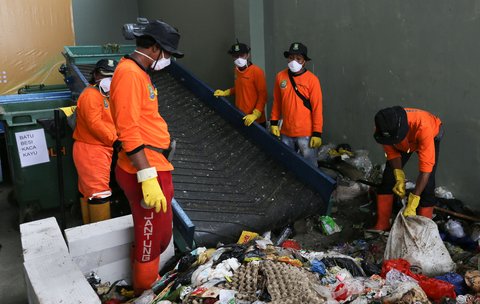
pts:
[36, 185]
[90, 54]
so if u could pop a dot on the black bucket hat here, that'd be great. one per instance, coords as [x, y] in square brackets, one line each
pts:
[105, 67]
[391, 125]
[297, 48]
[165, 35]
[239, 48]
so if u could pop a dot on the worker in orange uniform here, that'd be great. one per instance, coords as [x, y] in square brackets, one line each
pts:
[250, 87]
[403, 131]
[297, 98]
[143, 170]
[95, 138]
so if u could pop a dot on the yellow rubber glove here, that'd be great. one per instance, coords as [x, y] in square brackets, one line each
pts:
[275, 130]
[221, 93]
[250, 118]
[399, 188]
[153, 195]
[315, 142]
[68, 110]
[412, 204]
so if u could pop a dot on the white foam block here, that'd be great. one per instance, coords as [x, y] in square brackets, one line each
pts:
[56, 279]
[104, 248]
[41, 238]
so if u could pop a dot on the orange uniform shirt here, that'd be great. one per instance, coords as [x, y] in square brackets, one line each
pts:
[135, 113]
[298, 121]
[94, 121]
[422, 129]
[250, 90]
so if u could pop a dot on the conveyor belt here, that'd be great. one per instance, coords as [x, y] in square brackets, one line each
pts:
[224, 182]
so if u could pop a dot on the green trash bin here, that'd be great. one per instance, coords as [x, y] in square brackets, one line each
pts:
[32, 156]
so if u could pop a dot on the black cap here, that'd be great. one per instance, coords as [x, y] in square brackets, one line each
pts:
[165, 35]
[239, 48]
[297, 48]
[106, 67]
[391, 125]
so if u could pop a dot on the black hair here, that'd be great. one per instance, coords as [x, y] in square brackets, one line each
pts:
[145, 41]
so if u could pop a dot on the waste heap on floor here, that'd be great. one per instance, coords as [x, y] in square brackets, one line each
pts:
[256, 271]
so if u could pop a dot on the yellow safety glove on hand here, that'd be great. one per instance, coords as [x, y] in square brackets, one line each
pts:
[275, 130]
[68, 110]
[399, 188]
[315, 142]
[221, 93]
[152, 193]
[412, 204]
[250, 118]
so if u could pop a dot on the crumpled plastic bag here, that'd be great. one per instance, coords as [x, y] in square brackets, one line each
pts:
[406, 292]
[417, 240]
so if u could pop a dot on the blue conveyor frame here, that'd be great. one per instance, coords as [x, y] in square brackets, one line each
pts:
[305, 172]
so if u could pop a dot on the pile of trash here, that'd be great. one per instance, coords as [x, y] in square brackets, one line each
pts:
[254, 270]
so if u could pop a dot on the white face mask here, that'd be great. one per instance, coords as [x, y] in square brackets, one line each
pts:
[240, 62]
[159, 64]
[104, 86]
[294, 66]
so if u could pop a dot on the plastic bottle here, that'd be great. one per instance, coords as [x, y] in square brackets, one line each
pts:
[286, 233]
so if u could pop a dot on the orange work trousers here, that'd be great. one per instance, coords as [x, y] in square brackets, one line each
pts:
[93, 167]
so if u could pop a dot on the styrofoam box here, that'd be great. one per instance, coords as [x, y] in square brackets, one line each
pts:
[55, 273]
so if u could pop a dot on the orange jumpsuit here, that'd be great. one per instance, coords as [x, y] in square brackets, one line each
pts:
[423, 136]
[250, 90]
[298, 121]
[94, 137]
[422, 129]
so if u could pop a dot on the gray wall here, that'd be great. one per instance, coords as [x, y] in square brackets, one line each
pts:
[101, 21]
[372, 54]
[207, 31]
[367, 55]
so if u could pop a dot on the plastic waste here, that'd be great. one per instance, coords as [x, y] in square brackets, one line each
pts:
[435, 289]
[146, 297]
[318, 267]
[454, 228]
[394, 277]
[226, 296]
[347, 288]
[328, 225]
[456, 280]
[285, 234]
[323, 151]
[246, 237]
[291, 244]
[443, 192]
[361, 161]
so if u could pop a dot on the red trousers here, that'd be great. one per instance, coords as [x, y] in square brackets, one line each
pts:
[153, 231]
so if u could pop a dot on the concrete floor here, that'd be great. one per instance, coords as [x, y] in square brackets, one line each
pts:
[12, 282]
